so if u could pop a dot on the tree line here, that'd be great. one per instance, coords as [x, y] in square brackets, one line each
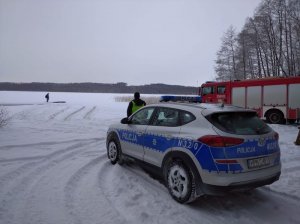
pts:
[268, 44]
[120, 87]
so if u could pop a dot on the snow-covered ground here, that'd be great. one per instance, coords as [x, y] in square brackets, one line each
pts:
[54, 169]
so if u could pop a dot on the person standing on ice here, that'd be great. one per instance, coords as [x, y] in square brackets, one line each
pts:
[47, 97]
[135, 104]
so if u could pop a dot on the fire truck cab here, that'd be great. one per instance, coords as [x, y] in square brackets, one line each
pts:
[276, 99]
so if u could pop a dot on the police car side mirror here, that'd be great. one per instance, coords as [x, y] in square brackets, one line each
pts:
[125, 121]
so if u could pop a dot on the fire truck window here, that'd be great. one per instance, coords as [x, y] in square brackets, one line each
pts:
[221, 90]
[207, 90]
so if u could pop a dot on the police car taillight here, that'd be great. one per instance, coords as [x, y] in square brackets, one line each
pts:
[220, 141]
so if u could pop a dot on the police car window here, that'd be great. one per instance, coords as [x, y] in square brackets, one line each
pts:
[166, 117]
[186, 117]
[240, 123]
[221, 89]
[142, 117]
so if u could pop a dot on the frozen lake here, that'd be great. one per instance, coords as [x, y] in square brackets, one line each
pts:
[54, 169]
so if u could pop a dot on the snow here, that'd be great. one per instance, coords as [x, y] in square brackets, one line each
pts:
[54, 169]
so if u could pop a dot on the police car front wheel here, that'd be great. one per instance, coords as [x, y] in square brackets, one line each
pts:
[114, 153]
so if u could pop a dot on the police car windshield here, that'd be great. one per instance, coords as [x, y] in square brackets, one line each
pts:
[240, 123]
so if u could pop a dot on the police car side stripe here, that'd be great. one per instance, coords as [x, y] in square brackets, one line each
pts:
[205, 155]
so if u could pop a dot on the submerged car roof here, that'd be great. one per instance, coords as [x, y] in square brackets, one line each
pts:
[205, 108]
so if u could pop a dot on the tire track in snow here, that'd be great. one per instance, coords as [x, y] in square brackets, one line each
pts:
[6, 147]
[292, 168]
[134, 192]
[22, 115]
[33, 158]
[50, 159]
[56, 192]
[51, 117]
[218, 207]
[19, 171]
[73, 113]
[291, 159]
[137, 196]
[27, 175]
[5, 179]
[101, 180]
[73, 184]
[89, 113]
[165, 204]
[22, 159]
[241, 207]
[283, 194]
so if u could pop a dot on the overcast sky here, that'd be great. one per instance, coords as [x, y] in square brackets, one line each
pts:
[109, 41]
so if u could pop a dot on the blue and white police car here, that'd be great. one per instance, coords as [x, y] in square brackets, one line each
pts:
[199, 148]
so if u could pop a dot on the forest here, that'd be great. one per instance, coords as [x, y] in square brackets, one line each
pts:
[87, 87]
[268, 45]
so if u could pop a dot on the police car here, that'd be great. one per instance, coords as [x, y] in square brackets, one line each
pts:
[193, 99]
[199, 148]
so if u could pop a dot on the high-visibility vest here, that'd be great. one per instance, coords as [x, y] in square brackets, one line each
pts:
[135, 107]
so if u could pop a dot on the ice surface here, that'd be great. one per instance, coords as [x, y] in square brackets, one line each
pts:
[54, 169]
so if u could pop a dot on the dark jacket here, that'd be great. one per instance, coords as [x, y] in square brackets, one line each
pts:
[138, 102]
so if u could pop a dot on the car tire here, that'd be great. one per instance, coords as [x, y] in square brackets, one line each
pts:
[275, 117]
[114, 152]
[180, 181]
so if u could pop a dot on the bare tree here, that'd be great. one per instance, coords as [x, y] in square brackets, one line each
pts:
[226, 58]
[268, 45]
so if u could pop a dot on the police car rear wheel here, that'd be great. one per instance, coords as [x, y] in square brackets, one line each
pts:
[179, 181]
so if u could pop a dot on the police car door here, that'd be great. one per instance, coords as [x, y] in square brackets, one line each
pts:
[160, 135]
[132, 138]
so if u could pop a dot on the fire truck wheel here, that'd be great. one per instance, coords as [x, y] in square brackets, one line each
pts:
[275, 117]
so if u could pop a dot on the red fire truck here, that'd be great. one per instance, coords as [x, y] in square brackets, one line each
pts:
[276, 99]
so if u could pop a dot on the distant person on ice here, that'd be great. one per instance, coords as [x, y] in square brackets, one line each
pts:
[47, 97]
[135, 104]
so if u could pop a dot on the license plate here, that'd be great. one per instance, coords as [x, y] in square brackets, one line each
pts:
[258, 162]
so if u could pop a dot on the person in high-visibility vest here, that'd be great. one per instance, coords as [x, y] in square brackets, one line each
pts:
[135, 104]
